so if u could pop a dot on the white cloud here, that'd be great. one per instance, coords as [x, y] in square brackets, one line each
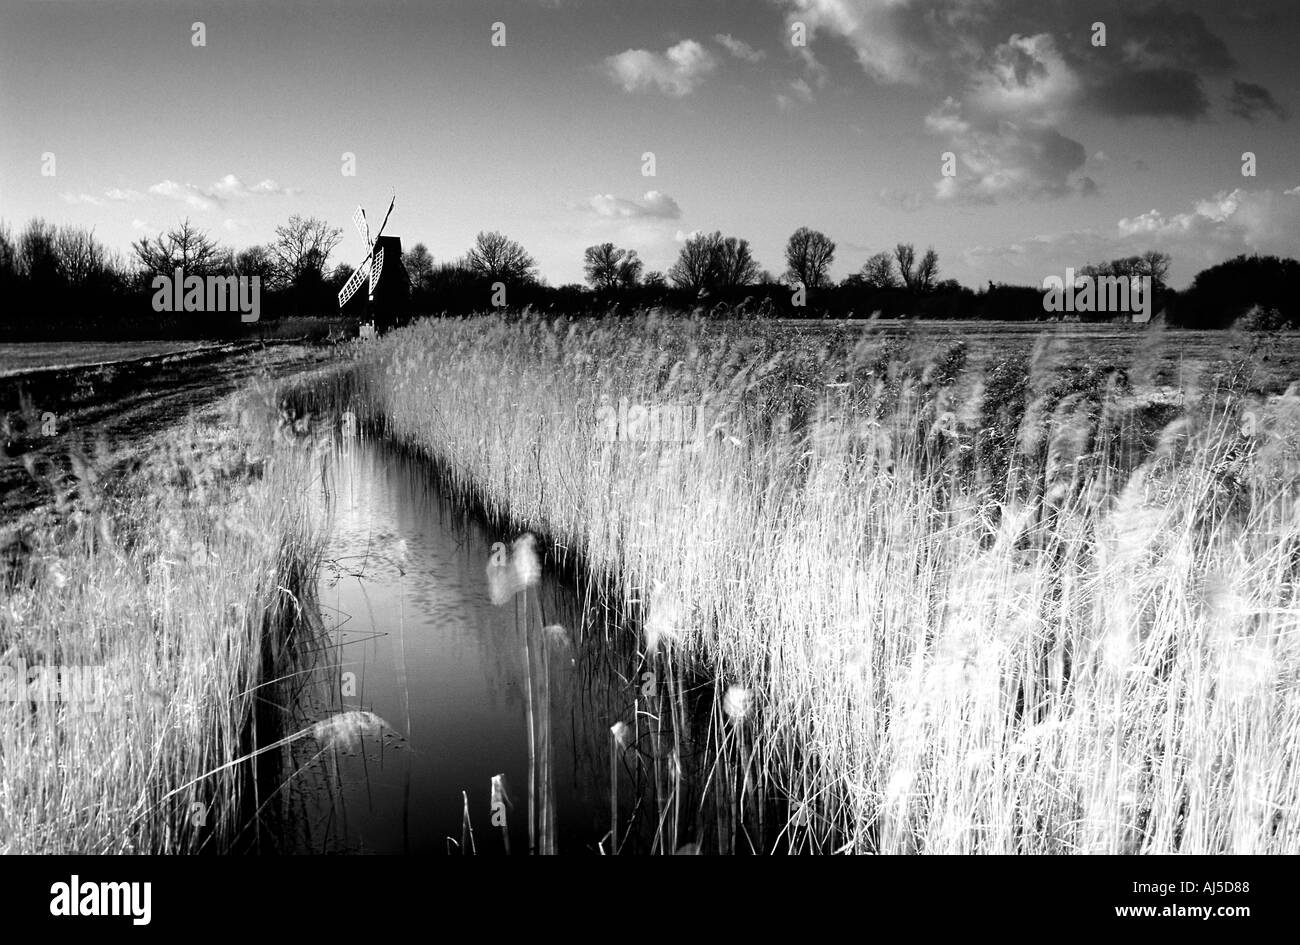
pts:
[116, 193]
[82, 198]
[799, 92]
[1214, 229]
[186, 193]
[676, 72]
[1249, 221]
[653, 204]
[739, 48]
[1026, 80]
[216, 194]
[999, 158]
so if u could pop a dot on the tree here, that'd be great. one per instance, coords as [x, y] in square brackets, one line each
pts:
[697, 263]
[1220, 295]
[808, 257]
[184, 247]
[878, 272]
[603, 264]
[927, 271]
[419, 264]
[499, 259]
[736, 265]
[81, 258]
[629, 270]
[905, 254]
[1156, 265]
[8, 255]
[339, 277]
[255, 261]
[301, 249]
[655, 280]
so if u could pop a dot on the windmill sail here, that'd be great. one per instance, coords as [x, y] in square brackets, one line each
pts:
[376, 268]
[386, 216]
[355, 281]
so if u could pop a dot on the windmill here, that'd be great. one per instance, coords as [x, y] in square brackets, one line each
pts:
[381, 271]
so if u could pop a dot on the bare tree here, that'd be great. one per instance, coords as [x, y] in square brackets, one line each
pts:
[254, 261]
[1156, 265]
[629, 270]
[878, 272]
[419, 264]
[184, 247]
[601, 263]
[82, 258]
[808, 256]
[8, 253]
[301, 249]
[905, 254]
[697, 263]
[927, 271]
[736, 265]
[499, 259]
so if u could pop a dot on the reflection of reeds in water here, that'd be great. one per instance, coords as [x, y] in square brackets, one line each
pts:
[510, 572]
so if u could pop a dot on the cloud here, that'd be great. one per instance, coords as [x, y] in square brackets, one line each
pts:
[998, 158]
[1150, 93]
[1008, 96]
[1240, 219]
[739, 48]
[1025, 77]
[188, 193]
[677, 72]
[217, 194]
[82, 198]
[1211, 230]
[117, 193]
[654, 204]
[1250, 101]
[797, 92]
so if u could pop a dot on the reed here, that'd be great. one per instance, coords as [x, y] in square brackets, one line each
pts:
[175, 575]
[1006, 607]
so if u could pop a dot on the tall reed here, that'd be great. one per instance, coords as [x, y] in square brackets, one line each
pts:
[1016, 606]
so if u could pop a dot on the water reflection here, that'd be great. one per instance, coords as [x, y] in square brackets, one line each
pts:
[411, 634]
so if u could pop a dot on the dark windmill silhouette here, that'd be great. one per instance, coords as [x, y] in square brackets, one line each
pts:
[381, 272]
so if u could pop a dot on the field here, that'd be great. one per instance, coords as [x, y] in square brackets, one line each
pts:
[1010, 591]
[16, 358]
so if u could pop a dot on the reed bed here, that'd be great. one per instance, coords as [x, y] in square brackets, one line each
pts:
[176, 576]
[1024, 606]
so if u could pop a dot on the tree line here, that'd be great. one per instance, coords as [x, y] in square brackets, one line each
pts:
[64, 273]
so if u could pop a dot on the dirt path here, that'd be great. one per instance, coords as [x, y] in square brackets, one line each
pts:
[119, 404]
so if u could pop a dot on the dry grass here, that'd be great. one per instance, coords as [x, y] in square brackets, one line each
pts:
[176, 580]
[1013, 610]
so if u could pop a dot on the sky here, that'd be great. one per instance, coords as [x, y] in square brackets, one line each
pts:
[762, 116]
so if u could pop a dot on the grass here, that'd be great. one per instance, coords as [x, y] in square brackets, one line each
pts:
[1019, 605]
[179, 579]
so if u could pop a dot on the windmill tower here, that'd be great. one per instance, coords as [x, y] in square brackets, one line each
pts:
[381, 273]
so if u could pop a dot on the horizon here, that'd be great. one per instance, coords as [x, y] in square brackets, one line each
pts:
[1063, 153]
